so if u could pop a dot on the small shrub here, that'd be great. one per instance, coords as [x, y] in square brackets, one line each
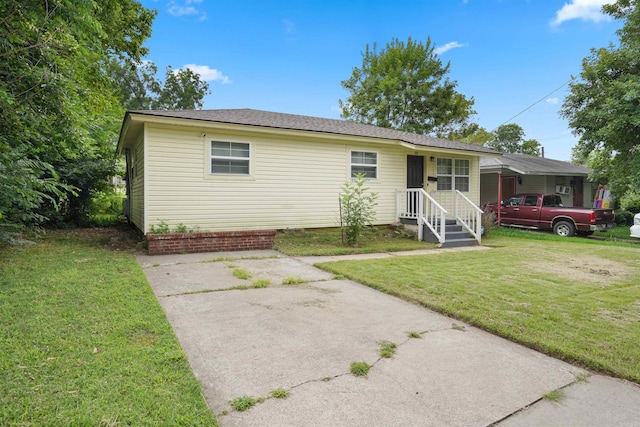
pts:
[279, 393]
[624, 217]
[360, 369]
[243, 403]
[488, 220]
[356, 209]
[161, 228]
[181, 228]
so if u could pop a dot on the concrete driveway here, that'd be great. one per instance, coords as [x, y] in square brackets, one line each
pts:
[242, 340]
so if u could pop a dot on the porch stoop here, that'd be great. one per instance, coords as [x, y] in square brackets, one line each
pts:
[454, 235]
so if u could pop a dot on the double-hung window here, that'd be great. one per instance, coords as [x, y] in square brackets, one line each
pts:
[230, 158]
[453, 173]
[365, 163]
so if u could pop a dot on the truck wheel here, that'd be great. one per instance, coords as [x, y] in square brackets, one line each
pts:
[564, 228]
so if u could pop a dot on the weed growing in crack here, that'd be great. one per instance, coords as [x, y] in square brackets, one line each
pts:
[414, 334]
[326, 379]
[581, 377]
[360, 369]
[241, 273]
[261, 283]
[280, 393]
[243, 403]
[232, 266]
[387, 349]
[290, 280]
[553, 396]
[458, 327]
[337, 277]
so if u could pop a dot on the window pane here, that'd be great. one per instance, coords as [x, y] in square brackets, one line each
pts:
[222, 149]
[462, 183]
[239, 150]
[444, 167]
[531, 201]
[367, 171]
[364, 157]
[444, 183]
[230, 166]
[462, 167]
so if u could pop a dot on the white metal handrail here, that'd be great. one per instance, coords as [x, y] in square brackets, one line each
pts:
[415, 203]
[468, 214]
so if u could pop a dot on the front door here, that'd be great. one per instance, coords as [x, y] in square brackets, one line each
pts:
[578, 190]
[415, 179]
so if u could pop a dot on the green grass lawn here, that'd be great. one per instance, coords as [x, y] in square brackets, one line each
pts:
[577, 299]
[83, 340]
[328, 241]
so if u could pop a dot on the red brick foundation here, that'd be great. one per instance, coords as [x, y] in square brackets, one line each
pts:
[216, 241]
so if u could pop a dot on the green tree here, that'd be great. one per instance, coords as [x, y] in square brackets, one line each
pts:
[471, 133]
[603, 105]
[139, 88]
[405, 86]
[58, 114]
[509, 138]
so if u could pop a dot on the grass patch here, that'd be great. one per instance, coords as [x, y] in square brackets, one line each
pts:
[241, 273]
[387, 349]
[290, 280]
[359, 369]
[616, 233]
[261, 283]
[553, 396]
[573, 298]
[84, 340]
[414, 334]
[243, 403]
[328, 241]
[280, 393]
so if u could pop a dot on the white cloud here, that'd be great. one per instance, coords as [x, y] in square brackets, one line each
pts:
[553, 101]
[587, 10]
[442, 49]
[186, 8]
[208, 74]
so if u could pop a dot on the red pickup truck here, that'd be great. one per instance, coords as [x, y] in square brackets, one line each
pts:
[539, 211]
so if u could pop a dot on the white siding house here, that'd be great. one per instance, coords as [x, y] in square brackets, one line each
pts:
[227, 170]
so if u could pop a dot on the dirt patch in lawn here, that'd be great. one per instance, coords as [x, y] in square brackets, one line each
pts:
[585, 268]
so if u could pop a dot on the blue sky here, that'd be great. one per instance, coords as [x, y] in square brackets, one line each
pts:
[290, 56]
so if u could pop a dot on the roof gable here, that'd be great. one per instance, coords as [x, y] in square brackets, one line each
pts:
[270, 119]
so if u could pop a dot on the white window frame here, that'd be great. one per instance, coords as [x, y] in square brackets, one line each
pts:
[453, 175]
[368, 165]
[231, 158]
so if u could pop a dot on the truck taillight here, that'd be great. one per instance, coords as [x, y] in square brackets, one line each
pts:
[592, 217]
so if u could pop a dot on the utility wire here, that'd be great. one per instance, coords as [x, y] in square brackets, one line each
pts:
[535, 103]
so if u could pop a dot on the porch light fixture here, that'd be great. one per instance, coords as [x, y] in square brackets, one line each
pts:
[520, 180]
[433, 159]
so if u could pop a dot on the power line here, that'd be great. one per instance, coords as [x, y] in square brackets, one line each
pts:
[535, 103]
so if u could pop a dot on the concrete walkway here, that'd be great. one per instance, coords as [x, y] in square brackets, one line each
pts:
[242, 340]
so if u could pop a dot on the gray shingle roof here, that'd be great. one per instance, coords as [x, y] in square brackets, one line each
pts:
[313, 124]
[532, 165]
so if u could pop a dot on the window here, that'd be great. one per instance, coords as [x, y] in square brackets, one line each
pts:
[364, 162]
[453, 173]
[531, 200]
[230, 158]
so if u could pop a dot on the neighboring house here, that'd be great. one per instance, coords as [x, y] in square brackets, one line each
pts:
[244, 170]
[522, 173]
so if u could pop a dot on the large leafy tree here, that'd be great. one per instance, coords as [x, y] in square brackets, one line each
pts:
[510, 139]
[58, 114]
[139, 88]
[405, 86]
[471, 133]
[603, 107]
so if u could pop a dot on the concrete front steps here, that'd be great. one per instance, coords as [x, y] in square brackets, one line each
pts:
[454, 235]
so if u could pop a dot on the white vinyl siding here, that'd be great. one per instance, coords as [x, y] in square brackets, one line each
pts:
[294, 182]
[137, 184]
[364, 163]
[230, 158]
